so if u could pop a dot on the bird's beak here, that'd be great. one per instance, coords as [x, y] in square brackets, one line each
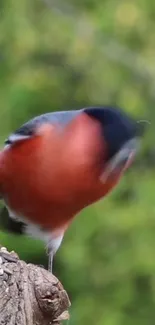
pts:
[122, 159]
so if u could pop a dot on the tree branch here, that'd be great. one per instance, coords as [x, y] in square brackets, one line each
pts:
[29, 294]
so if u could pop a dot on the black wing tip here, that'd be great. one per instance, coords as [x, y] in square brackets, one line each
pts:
[10, 225]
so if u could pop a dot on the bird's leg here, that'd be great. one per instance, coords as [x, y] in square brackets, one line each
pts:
[52, 248]
[50, 260]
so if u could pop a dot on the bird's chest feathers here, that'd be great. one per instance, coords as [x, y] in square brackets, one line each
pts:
[48, 184]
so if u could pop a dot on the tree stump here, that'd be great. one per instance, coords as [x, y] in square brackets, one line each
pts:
[29, 295]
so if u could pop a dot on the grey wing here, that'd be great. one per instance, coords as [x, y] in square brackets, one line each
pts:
[28, 129]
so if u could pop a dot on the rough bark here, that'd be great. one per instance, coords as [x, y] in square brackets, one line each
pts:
[29, 294]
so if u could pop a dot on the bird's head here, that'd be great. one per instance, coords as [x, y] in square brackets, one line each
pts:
[121, 136]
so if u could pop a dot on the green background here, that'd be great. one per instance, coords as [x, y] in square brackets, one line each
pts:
[58, 55]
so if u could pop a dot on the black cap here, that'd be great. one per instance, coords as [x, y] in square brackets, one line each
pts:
[118, 127]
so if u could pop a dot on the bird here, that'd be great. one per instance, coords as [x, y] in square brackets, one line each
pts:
[59, 163]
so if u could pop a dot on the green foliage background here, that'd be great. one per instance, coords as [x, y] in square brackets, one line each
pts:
[57, 55]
